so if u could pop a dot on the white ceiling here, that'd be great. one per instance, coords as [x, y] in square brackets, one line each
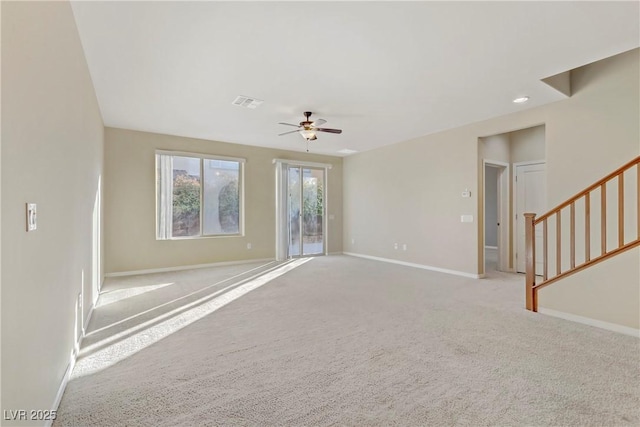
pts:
[383, 72]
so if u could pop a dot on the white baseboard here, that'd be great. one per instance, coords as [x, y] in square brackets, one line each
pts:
[491, 247]
[186, 267]
[86, 322]
[63, 384]
[72, 362]
[591, 322]
[411, 264]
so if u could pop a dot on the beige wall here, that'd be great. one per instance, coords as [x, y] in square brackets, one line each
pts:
[527, 144]
[496, 148]
[130, 203]
[582, 294]
[411, 190]
[410, 193]
[513, 147]
[52, 142]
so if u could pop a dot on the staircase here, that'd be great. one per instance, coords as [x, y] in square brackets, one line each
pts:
[587, 222]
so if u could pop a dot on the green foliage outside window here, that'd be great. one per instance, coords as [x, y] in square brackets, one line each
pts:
[312, 209]
[186, 205]
[229, 207]
[312, 194]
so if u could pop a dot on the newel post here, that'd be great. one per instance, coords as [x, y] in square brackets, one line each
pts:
[530, 261]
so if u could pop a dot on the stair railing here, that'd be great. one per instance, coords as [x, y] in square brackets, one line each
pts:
[552, 222]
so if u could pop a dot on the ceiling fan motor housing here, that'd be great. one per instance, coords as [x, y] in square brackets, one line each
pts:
[307, 123]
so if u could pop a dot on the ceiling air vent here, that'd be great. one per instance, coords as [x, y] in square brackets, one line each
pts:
[245, 101]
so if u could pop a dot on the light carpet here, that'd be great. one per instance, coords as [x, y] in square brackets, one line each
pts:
[343, 341]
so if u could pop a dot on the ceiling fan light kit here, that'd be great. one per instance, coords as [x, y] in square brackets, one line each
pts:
[309, 135]
[308, 129]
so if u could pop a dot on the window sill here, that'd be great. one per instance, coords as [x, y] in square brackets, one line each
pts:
[217, 236]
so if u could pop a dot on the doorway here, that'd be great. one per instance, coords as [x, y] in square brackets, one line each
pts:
[305, 211]
[301, 207]
[496, 216]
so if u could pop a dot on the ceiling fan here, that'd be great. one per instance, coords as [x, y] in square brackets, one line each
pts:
[308, 129]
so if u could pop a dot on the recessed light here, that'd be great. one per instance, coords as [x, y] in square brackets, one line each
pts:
[521, 100]
[347, 151]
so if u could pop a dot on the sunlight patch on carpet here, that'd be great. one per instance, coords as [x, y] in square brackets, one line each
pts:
[148, 335]
[116, 295]
[183, 297]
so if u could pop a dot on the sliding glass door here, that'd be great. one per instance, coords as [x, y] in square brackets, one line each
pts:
[305, 211]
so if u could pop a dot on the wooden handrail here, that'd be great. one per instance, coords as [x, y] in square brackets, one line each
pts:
[589, 189]
[609, 254]
[556, 213]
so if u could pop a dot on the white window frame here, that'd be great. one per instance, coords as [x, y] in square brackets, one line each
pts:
[202, 157]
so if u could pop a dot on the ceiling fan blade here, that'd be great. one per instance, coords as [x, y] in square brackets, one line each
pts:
[319, 122]
[288, 124]
[287, 133]
[328, 130]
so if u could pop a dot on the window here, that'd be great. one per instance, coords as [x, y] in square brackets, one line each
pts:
[198, 195]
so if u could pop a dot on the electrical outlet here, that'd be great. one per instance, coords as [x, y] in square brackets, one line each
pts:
[466, 218]
[248, 245]
[404, 247]
[395, 246]
[353, 241]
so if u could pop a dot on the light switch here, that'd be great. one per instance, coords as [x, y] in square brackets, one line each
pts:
[31, 217]
[332, 216]
[466, 218]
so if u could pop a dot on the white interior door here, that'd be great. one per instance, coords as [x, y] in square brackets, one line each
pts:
[531, 197]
